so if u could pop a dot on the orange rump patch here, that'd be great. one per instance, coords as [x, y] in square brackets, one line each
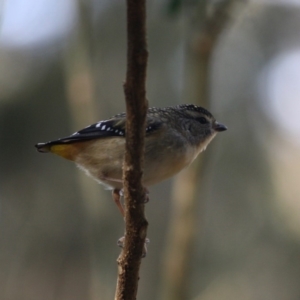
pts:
[69, 151]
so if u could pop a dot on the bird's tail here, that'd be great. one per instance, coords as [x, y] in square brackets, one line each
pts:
[65, 149]
[43, 147]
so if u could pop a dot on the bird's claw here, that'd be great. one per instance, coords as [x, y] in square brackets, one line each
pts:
[146, 200]
[121, 241]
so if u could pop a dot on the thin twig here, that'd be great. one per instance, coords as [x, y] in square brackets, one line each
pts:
[136, 109]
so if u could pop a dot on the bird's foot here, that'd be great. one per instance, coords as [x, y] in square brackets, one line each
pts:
[117, 196]
[118, 193]
[121, 192]
[146, 200]
[121, 241]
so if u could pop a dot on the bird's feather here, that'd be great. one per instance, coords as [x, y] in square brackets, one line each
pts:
[114, 127]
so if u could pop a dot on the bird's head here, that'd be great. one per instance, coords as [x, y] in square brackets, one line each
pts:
[198, 124]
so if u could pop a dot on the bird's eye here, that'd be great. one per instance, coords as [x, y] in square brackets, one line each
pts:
[203, 120]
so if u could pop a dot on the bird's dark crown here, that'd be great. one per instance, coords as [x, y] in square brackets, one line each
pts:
[185, 110]
[192, 107]
[173, 109]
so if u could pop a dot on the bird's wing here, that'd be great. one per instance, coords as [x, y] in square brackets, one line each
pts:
[114, 127]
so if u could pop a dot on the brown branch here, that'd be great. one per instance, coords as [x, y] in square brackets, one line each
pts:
[136, 108]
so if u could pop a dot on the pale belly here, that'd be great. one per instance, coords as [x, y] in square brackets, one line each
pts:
[103, 161]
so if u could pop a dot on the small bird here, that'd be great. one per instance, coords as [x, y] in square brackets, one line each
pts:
[174, 138]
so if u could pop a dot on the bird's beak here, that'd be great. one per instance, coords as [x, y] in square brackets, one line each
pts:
[219, 127]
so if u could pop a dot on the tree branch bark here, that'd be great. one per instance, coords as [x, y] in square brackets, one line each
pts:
[136, 108]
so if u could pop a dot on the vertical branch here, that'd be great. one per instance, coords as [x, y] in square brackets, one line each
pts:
[83, 108]
[136, 109]
[80, 90]
[182, 232]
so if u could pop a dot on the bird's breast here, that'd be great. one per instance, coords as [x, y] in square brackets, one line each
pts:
[167, 164]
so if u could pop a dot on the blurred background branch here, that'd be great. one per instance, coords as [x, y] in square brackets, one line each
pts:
[206, 25]
[80, 90]
[79, 70]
